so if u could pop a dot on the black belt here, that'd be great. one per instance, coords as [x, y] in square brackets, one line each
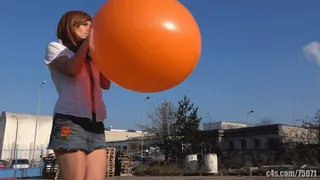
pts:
[87, 124]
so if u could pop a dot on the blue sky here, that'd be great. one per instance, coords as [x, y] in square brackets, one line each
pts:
[252, 59]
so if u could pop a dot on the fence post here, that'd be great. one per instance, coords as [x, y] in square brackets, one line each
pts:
[15, 160]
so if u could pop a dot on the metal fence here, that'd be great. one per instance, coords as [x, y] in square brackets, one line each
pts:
[9, 153]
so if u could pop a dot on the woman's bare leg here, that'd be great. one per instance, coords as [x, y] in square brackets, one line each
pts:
[72, 165]
[96, 165]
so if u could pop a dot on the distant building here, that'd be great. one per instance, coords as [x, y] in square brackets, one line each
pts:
[113, 135]
[255, 141]
[222, 125]
[19, 129]
[125, 140]
[24, 125]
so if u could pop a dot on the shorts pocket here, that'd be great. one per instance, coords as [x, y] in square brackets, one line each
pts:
[63, 128]
[67, 135]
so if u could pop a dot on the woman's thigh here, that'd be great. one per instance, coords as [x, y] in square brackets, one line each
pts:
[96, 165]
[70, 144]
[72, 164]
[97, 158]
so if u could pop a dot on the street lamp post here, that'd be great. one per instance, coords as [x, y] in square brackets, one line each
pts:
[16, 143]
[250, 112]
[37, 121]
[142, 124]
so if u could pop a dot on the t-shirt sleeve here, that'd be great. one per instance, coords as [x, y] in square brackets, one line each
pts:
[53, 51]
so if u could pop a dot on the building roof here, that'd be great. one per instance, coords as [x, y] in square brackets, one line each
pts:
[25, 117]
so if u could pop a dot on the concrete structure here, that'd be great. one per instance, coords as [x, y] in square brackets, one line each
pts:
[124, 140]
[222, 125]
[133, 145]
[129, 140]
[23, 125]
[299, 134]
[113, 135]
[26, 123]
[255, 143]
[256, 138]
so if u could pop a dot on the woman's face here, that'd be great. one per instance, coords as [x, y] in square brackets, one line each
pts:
[83, 30]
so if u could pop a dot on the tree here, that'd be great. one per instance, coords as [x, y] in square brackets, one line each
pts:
[161, 126]
[187, 126]
[175, 130]
[313, 126]
[301, 144]
[265, 121]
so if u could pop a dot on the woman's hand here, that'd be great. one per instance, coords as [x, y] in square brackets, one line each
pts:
[105, 83]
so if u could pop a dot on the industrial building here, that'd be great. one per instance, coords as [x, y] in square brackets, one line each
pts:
[255, 141]
[113, 135]
[222, 125]
[124, 140]
[18, 131]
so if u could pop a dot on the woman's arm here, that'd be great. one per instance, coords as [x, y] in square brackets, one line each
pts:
[72, 66]
[104, 82]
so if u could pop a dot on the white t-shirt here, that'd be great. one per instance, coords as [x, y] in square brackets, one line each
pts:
[74, 92]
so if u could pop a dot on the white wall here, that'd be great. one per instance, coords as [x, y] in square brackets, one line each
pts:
[222, 125]
[26, 132]
[25, 137]
[111, 136]
[125, 145]
[299, 134]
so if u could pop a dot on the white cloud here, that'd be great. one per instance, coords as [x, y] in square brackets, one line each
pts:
[312, 52]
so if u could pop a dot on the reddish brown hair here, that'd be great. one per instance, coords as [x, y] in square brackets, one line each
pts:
[67, 25]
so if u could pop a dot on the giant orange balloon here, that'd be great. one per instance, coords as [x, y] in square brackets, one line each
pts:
[145, 45]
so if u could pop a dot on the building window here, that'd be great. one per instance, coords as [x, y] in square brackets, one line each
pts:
[272, 143]
[243, 144]
[231, 145]
[124, 148]
[256, 143]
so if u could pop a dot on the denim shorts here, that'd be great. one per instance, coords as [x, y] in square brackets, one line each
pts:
[72, 133]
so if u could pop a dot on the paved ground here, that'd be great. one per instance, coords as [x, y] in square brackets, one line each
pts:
[203, 178]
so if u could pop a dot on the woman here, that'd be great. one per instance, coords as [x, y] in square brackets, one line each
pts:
[77, 136]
